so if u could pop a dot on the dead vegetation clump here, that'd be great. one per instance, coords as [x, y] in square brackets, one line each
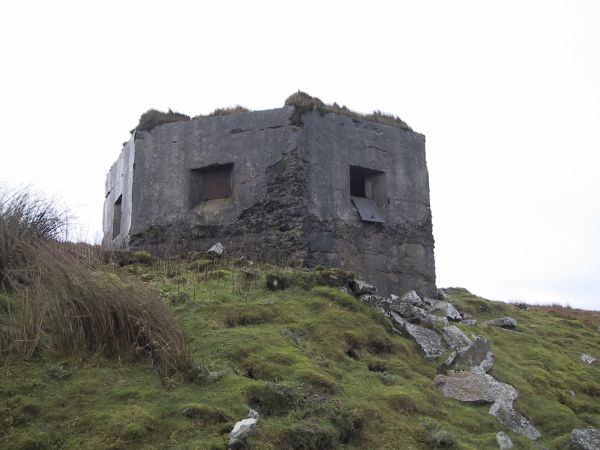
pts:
[153, 118]
[303, 102]
[228, 110]
[58, 299]
[591, 318]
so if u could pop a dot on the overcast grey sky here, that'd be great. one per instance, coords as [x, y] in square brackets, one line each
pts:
[506, 92]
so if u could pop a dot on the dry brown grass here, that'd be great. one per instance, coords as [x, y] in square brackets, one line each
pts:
[59, 298]
[153, 118]
[591, 318]
[304, 103]
[228, 110]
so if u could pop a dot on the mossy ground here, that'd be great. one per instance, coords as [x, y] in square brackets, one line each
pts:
[323, 370]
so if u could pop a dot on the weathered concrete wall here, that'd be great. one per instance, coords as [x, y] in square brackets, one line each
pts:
[119, 182]
[291, 193]
[397, 255]
[268, 196]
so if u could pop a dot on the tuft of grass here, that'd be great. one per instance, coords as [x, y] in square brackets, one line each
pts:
[228, 111]
[303, 102]
[153, 118]
[66, 306]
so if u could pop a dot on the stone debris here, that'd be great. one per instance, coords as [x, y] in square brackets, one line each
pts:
[513, 420]
[598, 329]
[360, 287]
[416, 315]
[428, 341]
[503, 322]
[242, 430]
[440, 307]
[441, 294]
[585, 439]
[471, 387]
[455, 338]
[470, 358]
[216, 250]
[376, 301]
[409, 312]
[411, 297]
[477, 357]
[504, 441]
[588, 359]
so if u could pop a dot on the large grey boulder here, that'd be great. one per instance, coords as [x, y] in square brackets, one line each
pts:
[414, 314]
[585, 439]
[216, 250]
[376, 301]
[455, 338]
[408, 311]
[514, 421]
[472, 387]
[242, 430]
[442, 308]
[411, 297]
[441, 294]
[477, 357]
[588, 359]
[503, 322]
[504, 441]
[360, 287]
[428, 341]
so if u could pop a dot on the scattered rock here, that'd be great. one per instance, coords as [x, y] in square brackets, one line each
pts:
[440, 307]
[471, 387]
[344, 290]
[216, 250]
[360, 287]
[428, 340]
[585, 439]
[376, 301]
[587, 358]
[504, 442]
[506, 415]
[242, 430]
[503, 322]
[398, 322]
[469, 322]
[598, 329]
[434, 320]
[572, 393]
[450, 359]
[414, 314]
[408, 311]
[441, 294]
[411, 297]
[455, 338]
[477, 357]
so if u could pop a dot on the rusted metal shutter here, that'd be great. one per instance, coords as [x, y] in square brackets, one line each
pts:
[368, 210]
[216, 183]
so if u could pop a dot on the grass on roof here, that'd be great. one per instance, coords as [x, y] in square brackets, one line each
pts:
[303, 102]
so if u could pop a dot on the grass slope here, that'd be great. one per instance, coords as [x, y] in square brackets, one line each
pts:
[323, 370]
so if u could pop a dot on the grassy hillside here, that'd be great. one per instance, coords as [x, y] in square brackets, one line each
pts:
[322, 369]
